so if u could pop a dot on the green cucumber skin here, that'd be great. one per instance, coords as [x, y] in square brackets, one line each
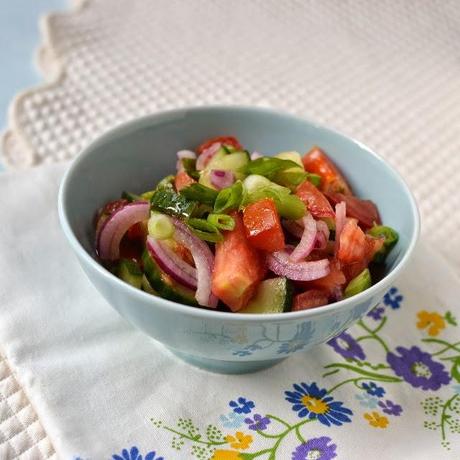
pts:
[268, 289]
[130, 273]
[170, 291]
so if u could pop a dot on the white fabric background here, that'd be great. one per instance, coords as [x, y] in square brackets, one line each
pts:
[95, 381]
[384, 72]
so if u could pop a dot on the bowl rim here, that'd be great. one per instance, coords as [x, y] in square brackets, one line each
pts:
[207, 313]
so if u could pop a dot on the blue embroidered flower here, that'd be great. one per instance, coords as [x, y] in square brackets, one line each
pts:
[373, 389]
[134, 454]
[377, 313]
[347, 346]
[366, 400]
[241, 353]
[393, 299]
[314, 403]
[390, 407]
[315, 448]
[232, 420]
[242, 405]
[257, 423]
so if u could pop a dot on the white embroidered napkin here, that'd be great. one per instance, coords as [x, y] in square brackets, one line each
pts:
[387, 387]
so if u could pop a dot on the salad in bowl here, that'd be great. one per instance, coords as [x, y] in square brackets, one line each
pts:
[238, 231]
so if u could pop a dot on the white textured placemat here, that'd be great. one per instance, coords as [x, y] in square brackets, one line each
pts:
[385, 72]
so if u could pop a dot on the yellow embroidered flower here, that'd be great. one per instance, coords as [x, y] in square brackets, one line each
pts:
[314, 405]
[226, 455]
[239, 441]
[431, 320]
[376, 420]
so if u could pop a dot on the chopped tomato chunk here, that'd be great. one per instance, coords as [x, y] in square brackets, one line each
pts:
[238, 267]
[352, 246]
[262, 225]
[225, 140]
[364, 210]
[317, 162]
[309, 299]
[331, 283]
[183, 180]
[314, 200]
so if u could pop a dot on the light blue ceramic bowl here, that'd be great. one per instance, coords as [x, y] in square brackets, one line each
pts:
[136, 155]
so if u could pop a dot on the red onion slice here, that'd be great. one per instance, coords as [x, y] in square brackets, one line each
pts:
[206, 156]
[113, 229]
[204, 262]
[322, 235]
[280, 263]
[171, 263]
[255, 155]
[307, 242]
[221, 178]
[340, 216]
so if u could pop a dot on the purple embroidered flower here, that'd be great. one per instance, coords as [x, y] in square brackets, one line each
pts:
[316, 448]
[390, 407]
[393, 299]
[314, 403]
[134, 454]
[242, 406]
[373, 389]
[347, 346]
[366, 400]
[257, 423]
[418, 368]
[377, 313]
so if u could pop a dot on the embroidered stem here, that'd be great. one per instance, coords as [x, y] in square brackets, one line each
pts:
[373, 333]
[445, 417]
[368, 374]
[447, 346]
[195, 438]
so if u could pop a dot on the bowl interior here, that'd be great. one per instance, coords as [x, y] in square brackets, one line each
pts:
[136, 156]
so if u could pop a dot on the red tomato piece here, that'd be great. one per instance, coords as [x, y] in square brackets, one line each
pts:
[183, 180]
[331, 283]
[309, 299]
[238, 267]
[314, 200]
[317, 162]
[263, 227]
[137, 231]
[364, 210]
[226, 140]
[352, 247]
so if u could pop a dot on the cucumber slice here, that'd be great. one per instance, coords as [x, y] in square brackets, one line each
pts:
[272, 296]
[293, 156]
[164, 284]
[235, 162]
[130, 272]
[146, 286]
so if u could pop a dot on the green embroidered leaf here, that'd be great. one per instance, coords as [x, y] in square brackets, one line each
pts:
[450, 318]
[214, 434]
[455, 371]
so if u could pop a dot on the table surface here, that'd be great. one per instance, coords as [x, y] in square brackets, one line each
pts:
[19, 38]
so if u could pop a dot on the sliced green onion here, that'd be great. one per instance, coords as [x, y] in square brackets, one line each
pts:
[148, 195]
[315, 179]
[205, 230]
[229, 199]
[391, 238]
[131, 196]
[291, 177]
[160, 226]
[358, 284]
[189, 165]
[269, 166]
[201, 211]
[170, 202]
[200, 193]
[222, 221]
[291, 207]
[228, 148]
